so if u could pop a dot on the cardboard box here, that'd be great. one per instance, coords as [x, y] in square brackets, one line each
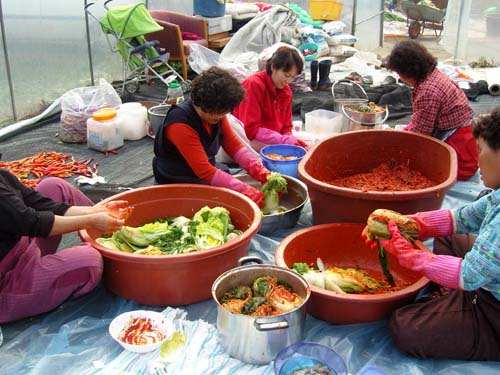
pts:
[217, 25]
[218, 43]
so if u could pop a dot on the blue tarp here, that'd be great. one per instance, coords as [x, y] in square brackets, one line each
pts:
[74, 339]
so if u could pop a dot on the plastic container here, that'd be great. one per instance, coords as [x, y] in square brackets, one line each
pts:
[209, 8]
[286, 167]
[361, 151]
[323, 123]
[153, 280]
[135, 121]
[341, 245]
[174, 93]
[325, 10]
[157, 115]
[304, 355]
[103, 130]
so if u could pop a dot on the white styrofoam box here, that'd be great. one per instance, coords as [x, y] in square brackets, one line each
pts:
[218, 24]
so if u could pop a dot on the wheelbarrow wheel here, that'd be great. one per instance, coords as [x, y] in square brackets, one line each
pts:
[414, 29]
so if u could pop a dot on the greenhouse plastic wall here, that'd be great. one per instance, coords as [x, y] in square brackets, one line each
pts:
[46, 45]
[466, 34]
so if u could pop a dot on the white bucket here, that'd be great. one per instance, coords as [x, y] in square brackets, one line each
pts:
[323, 123]
[135, 121]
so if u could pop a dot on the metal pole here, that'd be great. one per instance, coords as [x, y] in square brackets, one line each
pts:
[89, 48]
[7, 65]
[354, 7]
[459, 28]
[381, 37]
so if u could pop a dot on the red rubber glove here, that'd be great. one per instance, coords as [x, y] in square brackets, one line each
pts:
[271, 137]
[251, 164]
[442, 269]
[302, 144]
[436, 223]
[224, 179]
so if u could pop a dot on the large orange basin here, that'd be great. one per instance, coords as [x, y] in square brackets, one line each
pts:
[175, 279]
[341, 245]
[361, 151]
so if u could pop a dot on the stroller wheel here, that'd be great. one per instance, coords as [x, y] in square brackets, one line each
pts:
[132, 87]
[414, 29]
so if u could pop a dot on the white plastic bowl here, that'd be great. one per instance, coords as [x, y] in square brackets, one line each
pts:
[159, 322]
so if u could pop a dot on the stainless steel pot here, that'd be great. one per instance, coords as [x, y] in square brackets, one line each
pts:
[294, 201]
[364, 120]
[339, 102]
[257, 340]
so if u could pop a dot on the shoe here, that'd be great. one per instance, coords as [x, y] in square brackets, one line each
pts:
[314, 74]
[324, 83]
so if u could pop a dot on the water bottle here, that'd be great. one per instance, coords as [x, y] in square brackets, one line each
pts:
[174, 93]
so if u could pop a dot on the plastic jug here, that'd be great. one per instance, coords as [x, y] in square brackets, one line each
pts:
[174, 93]
[103, 130]
[322, 123]
[135, 121]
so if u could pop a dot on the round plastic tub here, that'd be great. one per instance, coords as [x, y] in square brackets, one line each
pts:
[173, 280]
[286, 167]
[360, 151]
[341, 245]
[303, 355]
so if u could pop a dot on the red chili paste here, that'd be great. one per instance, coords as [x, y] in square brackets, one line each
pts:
[388, 176]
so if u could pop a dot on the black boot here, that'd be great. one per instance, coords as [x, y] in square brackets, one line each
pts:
[324, 83]
[314, 74]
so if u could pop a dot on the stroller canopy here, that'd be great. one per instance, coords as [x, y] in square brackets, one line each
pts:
[129, 21]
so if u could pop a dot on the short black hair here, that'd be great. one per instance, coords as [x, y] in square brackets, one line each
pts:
[411, 59]
[285, 58]
[216, 91]
[487, 126]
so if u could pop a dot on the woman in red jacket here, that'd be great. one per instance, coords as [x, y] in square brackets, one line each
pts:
[266, 112]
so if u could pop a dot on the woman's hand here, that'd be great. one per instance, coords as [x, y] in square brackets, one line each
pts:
[119, 209]
[105, 221]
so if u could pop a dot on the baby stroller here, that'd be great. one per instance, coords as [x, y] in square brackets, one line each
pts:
[142, 60]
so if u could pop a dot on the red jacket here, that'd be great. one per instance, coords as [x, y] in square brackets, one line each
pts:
[265, 106]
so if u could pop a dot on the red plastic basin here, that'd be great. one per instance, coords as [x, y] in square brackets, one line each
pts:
[175, 280]
[361, 151]
[341, 245]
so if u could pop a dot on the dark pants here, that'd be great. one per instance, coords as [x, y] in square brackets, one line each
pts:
[458, 325]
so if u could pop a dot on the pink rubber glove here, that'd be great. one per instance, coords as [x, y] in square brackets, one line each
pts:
[224, 179]
[251, 164]
[272, 137]
[442, 269]
[436, 223]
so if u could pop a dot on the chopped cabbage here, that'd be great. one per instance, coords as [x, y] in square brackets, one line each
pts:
[175, 235]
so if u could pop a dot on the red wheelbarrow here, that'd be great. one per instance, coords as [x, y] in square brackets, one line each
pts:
[419, 17]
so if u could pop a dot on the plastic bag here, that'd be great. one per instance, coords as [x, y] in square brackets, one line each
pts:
[202, 58]
[310, 35]
[239, 131]
[78, 105]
